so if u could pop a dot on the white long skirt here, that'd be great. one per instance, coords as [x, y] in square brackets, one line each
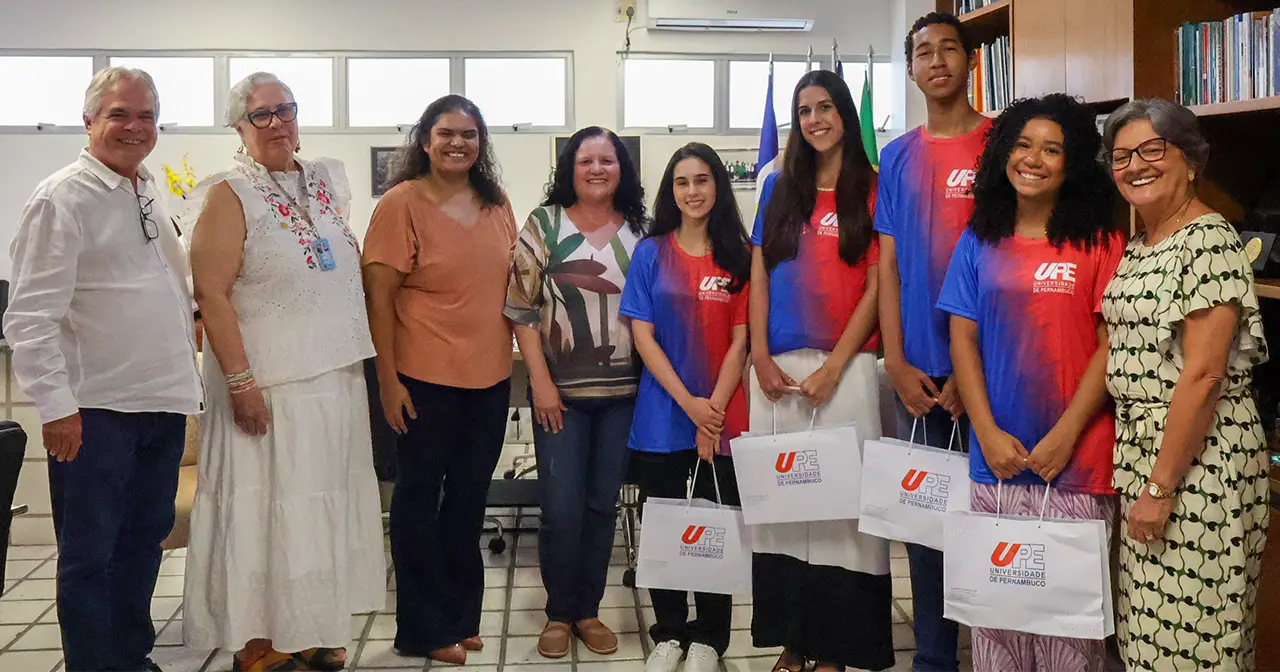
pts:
[286, 530]
[835, 543]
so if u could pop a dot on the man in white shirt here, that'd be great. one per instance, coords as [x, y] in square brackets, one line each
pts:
[100, 323]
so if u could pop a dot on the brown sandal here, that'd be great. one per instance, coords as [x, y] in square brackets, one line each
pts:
[784, 663]
[321, 658]
[271, 661]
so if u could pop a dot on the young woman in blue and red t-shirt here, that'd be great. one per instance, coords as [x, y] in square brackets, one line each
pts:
[686, 295]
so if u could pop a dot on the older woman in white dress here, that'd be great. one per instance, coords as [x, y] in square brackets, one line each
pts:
[286, 539]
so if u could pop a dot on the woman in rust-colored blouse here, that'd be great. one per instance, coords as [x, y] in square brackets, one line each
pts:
[435, 270]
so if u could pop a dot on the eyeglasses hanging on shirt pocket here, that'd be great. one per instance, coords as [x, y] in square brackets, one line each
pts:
[149, 228]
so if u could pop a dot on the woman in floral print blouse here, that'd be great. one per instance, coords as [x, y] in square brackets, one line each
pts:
[571, 263]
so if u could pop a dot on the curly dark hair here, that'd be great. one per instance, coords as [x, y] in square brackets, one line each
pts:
[944, 18]
[411, 160]
[628, 199]
[730, 247]
[795, 194]
[1084, 212]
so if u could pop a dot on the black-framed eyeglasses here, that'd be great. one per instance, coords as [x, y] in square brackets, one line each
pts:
[149, 228]
[1151, 151]
[285, 113]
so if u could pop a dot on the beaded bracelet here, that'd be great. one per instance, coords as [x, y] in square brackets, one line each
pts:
[242, 386]
[233, 378]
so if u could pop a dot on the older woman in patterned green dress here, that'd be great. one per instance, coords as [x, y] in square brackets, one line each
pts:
[1190, 458]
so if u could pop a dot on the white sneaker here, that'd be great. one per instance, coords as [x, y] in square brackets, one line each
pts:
[701, 658]
[665, 657]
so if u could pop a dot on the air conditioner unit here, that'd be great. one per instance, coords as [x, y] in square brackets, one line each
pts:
[730, 15]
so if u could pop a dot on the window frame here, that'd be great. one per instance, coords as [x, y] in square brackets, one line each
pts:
[570, 118]
[341, 91]
[720, 86]
[99, 62]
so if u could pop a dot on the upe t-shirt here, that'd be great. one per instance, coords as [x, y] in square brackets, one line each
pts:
[687, 300]
[1037, 313]
[925, 202]
[813, 295]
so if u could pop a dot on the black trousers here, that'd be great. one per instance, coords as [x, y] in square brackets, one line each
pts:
[667, 475]
[444, 464]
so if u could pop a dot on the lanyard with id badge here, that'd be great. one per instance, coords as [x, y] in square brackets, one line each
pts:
[319, 244]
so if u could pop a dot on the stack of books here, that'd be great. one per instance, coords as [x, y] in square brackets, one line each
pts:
[1228, 61]
[965, 6]
[991, 87]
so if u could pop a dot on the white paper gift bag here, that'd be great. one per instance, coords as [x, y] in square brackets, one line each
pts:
[1043, 576]
[803, 476]
[909, 488]
[693, 545]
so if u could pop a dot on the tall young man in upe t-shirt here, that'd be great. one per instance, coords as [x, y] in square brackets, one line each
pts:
[924, 204]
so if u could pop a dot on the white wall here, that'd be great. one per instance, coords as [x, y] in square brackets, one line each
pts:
[585, 27]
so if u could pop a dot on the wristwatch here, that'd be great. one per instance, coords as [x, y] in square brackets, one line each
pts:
[1158, 492]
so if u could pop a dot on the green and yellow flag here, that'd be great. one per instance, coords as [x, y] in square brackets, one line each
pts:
[868, 123]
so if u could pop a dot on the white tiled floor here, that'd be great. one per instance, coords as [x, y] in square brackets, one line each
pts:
[512, 619]
[29, 640]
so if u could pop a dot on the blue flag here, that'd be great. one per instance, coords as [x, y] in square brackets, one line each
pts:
[768, 137]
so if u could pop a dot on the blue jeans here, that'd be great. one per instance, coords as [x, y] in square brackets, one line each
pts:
[937, 638]
[112, 507]
[580, 469]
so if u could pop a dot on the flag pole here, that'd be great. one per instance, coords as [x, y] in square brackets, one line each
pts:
[871, 59]
[808, 60]
[835, 54]
[771, 64]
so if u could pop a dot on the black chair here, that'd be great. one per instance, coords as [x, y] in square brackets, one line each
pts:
[13, 447]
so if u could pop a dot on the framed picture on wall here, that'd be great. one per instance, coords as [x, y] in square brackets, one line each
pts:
[631, 142]
[380, 163]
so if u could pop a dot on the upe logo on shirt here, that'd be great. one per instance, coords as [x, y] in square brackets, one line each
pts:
[798, 468]
[1018, 564]
[701, 541]
[829, 225]
[925, 490]
[960, 183]
[714, 288]
[1055, 277]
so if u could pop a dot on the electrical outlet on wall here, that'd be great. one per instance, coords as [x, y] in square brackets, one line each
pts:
[620, 9]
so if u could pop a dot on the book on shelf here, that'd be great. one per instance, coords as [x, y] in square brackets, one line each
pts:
[1227, 61]
[991, 86]
[966, 6]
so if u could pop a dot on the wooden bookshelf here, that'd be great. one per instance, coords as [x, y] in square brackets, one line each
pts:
[990, 22]
[1267, 287]
[1237, 107]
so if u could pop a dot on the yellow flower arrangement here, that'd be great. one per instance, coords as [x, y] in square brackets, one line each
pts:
[180, 183]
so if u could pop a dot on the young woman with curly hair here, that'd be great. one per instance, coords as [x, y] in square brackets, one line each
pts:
[1029, 345]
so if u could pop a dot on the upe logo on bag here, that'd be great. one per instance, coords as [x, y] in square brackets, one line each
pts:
[1018, 564]
[714, 288]
[798, 468]
[701, 541]
[925, 490]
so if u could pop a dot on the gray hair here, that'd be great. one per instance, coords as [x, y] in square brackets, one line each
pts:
[107, 79]
[1175, 123]
[238, 99]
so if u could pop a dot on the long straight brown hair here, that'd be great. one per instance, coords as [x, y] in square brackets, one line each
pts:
[795, 194]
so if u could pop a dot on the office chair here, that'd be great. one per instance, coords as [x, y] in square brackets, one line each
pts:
[13, 446]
